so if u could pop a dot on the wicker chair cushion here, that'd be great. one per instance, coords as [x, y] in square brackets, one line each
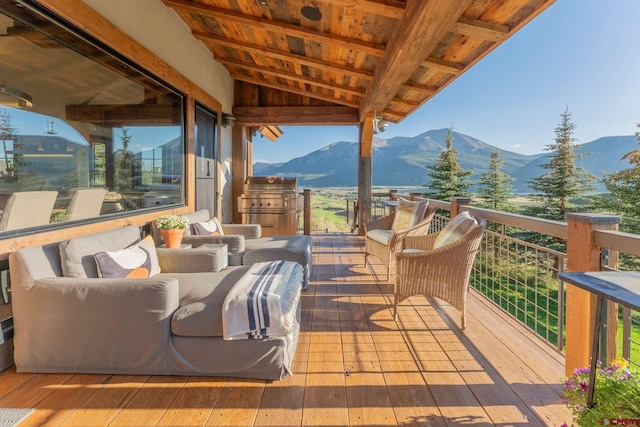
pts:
[408, 214]
[380, 236]
[460, 225]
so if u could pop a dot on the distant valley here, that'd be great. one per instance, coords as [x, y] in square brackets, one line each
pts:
[402, 161]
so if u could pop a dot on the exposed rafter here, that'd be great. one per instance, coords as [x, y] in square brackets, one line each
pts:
[381, 9]
[262, 82]
[293, 76]
[481, 29]
[301, 115]
[443, 65]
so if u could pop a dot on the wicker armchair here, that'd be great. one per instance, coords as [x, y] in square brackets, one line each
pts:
[386, 252]
[442, 272]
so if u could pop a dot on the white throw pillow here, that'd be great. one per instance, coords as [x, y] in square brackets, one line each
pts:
[457, 227]
[211, 227]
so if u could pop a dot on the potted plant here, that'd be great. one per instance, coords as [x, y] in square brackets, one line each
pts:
[616, 398]
[172, 228]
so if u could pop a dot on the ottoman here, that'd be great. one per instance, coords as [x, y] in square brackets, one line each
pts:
[273, 248]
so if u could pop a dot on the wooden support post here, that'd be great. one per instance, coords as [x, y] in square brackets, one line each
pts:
[238, 169]
[307, 211]
[582, 255]
[457, 203]
[364, 173]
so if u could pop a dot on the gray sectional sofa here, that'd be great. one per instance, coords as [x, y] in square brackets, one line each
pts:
[68, 320]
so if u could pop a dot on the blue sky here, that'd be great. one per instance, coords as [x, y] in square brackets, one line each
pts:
[583, 55]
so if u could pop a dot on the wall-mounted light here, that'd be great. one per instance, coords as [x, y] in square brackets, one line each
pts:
[228, 119]
[379, 123]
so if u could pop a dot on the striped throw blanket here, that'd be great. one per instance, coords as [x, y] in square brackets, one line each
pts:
[255, 306]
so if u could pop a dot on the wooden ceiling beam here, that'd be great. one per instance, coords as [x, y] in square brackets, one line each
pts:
[443, 65]
[299, 115]
[424, 89]
[303, 92]
[277, 26]
[283, 55]
[481, 29]
[293, 76]
[389, 11]
[405, 102]
[415, 36]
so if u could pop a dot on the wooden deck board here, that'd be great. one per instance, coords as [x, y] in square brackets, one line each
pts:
[354, 366]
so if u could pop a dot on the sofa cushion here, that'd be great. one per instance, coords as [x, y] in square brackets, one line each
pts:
[408, 214]
[139, 260]
[211, 227]
[275, 248]
[460, 225]
[201, 299]
[380, 236]
[77, 254]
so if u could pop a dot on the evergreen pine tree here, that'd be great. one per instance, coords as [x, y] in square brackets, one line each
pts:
[623, 187]
[448, 179]
[564, 180]
[495, 189]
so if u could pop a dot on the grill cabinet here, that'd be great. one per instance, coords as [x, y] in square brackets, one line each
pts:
[272, 202]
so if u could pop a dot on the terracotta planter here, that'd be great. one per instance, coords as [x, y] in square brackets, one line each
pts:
[172, 238]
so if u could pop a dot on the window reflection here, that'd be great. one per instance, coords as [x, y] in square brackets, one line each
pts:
[72, 118]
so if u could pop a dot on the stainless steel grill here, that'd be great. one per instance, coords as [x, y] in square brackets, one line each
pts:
[272, 202]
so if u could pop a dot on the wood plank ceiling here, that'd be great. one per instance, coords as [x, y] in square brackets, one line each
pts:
[384, 56]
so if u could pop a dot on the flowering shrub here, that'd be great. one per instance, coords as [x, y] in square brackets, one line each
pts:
[616, 398]
[171, 222]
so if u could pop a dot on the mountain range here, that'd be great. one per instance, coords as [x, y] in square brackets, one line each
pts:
[402, 161]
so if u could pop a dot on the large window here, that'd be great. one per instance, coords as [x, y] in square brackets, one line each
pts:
[77, 120]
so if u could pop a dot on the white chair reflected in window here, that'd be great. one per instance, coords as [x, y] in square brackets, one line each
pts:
[85, 203]
[27, 209]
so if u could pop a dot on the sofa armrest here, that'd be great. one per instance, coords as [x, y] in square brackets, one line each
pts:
[235, 243]
[92, 324]
[249, 231]
[203, 259]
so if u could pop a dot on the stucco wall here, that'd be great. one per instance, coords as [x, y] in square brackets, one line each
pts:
[160, 29]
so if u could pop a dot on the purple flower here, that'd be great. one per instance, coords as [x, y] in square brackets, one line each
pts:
[580, 371]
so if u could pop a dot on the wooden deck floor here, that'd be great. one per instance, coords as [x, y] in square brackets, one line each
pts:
[354, 366]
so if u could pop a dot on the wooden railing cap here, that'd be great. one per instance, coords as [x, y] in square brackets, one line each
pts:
[592, 218]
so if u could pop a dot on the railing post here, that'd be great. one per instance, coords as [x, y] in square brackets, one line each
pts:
[582, 255]
[307, 211]
[457, 203]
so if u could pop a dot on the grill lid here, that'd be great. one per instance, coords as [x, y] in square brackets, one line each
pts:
[271, 184]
